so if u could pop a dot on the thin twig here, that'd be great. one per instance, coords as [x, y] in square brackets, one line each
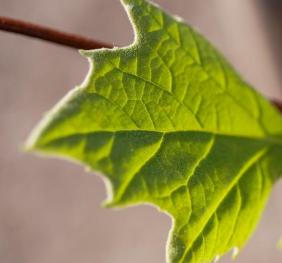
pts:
[48, 34]
[59, 37]
[278, 104]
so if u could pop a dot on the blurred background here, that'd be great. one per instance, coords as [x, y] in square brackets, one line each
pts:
[50, 209]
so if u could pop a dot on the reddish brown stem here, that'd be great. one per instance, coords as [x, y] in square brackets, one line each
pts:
[62, 38]
[48, 34]
[278, 104]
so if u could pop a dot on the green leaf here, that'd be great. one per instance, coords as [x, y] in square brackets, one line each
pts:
[280, 244]
[169, 122]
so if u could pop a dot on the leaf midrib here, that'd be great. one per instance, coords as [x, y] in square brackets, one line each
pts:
[272, 140]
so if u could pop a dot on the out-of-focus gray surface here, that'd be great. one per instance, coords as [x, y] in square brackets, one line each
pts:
[49, 209]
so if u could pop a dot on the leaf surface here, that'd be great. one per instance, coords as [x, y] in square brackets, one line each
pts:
[169, 122]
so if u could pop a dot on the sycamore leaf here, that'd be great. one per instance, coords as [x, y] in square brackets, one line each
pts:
[168, 121]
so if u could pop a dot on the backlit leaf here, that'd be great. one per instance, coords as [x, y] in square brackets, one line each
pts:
[169, 122]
